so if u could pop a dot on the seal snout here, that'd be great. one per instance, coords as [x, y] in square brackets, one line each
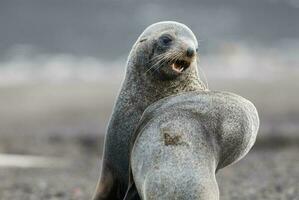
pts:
[190, 52]
[184, 62]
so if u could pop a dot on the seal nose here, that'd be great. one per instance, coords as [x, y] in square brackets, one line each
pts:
[190, 52]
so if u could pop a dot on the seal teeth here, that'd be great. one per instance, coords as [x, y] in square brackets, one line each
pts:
[177, 67]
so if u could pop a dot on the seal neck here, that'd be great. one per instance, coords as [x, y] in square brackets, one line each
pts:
[146, 85]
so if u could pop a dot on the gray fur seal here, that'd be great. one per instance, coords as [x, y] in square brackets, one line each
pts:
[183, 140]
[162, 62]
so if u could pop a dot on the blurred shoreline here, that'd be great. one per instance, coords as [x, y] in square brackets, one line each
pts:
[79, 109]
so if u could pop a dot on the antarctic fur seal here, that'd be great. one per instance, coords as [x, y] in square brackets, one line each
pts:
[162, 62]
[183, 140]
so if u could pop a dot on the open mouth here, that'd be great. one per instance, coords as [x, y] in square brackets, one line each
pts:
[180, 65]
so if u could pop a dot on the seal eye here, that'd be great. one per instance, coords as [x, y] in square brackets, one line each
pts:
[165, 39]
[196, 50]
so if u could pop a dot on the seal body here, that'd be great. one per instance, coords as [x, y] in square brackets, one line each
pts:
[182, 140]
[162, 62]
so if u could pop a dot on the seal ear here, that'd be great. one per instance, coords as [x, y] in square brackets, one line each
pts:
[142, 39]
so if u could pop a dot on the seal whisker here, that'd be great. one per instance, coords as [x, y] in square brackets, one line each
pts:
[166, 58]
[162, 54]
[159, 59]
[152, 67]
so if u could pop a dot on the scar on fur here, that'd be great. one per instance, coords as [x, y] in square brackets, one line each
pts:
[170, 139]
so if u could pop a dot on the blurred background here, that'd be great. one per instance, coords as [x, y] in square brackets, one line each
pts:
[62, 63]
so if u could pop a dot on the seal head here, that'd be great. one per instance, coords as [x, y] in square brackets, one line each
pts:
[167, 50]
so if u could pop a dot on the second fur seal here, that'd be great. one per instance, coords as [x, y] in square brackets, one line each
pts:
[162, 62]
[183, 140]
